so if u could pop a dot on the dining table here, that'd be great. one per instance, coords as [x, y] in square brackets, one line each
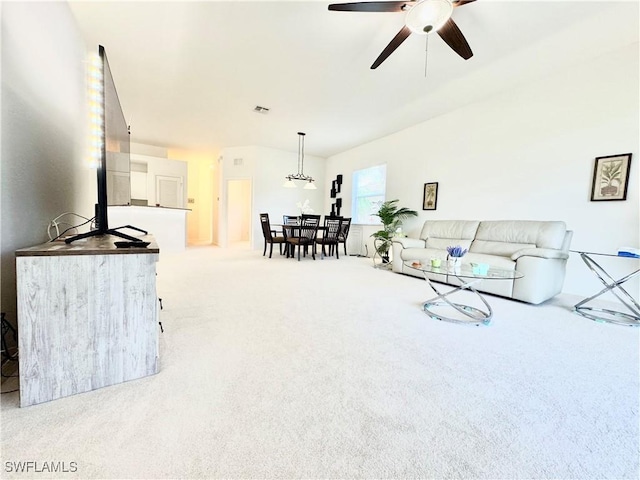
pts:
[292, 229]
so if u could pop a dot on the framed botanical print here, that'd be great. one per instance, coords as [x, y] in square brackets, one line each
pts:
[430, 196]
[611, 177]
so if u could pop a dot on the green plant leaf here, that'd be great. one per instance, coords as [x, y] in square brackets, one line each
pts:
[392, 217]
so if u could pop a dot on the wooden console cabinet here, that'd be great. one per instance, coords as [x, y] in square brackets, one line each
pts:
[87, 316]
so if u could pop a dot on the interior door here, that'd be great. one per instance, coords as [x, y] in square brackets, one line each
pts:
[169, 191]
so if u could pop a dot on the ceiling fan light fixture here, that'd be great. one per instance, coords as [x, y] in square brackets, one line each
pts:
[428, 16]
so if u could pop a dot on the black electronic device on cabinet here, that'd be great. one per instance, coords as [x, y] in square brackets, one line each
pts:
[113, 144]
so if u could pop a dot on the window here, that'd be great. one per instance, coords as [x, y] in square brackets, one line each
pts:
[368, 190]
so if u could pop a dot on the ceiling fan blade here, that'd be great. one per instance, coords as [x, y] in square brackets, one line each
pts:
[452, 35]
[400, 37]
[370, 6]
[460, 3]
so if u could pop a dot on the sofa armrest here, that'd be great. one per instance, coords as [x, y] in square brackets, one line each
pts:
[407, 242]
[540, 252]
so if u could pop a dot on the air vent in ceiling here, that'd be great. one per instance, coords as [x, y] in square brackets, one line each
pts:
[259, 109]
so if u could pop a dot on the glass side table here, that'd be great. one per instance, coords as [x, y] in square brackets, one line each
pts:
[632, 316]
[384, 260]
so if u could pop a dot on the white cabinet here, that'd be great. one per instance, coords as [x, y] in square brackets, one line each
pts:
[167, 225]
[162, 181]
[87, 316]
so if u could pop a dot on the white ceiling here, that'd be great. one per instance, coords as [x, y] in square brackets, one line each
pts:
[190, 73]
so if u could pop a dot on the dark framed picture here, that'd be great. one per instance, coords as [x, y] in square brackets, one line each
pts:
[430, 196]
[611, 177]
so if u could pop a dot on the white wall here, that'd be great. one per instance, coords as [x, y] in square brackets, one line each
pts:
[527, 153]
[267, 167]
[238, 211]
[44, 119]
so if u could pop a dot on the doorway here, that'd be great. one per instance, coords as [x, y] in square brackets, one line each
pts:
[239, 213]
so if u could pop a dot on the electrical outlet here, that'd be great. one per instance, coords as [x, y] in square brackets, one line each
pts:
[191, 200]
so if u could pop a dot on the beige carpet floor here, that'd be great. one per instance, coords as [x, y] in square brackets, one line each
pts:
[274, 368]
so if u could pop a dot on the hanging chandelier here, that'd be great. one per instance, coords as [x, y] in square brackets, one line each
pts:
[289, 183]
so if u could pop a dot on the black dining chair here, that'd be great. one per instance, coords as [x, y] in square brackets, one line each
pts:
[291, 232]
[344, 233]
[330, 234]
[270, 236]
[290, 219]
[305, 235]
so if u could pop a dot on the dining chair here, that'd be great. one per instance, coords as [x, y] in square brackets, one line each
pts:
[330, 234]
[290, 219]
[305, 235]
[344, 233]
[270, 236]
[289, 232]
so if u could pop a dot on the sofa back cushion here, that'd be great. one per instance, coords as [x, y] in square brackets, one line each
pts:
[441, 234]
[505, 237]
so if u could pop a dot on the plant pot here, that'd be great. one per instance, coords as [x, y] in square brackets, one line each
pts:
[454, 263]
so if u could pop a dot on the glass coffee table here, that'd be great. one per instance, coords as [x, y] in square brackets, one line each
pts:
[464, 273]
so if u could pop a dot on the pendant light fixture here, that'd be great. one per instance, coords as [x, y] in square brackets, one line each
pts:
[289, 183]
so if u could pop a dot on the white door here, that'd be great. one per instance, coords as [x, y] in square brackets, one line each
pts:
[169, 191]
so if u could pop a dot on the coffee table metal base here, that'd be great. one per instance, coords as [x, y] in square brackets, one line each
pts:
[469, 314]
[604, 315]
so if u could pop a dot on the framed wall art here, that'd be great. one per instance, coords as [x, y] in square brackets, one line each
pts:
[611, 177]
[430, 196]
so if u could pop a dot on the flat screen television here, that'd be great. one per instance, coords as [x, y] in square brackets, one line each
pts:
[113, 170]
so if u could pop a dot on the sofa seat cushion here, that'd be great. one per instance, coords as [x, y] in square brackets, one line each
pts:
[422, 254]
[494, 261]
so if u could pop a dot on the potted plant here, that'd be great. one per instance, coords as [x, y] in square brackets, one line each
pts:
[455, 254]
[392, 218]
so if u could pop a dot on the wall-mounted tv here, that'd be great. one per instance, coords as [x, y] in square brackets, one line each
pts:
[113, 169]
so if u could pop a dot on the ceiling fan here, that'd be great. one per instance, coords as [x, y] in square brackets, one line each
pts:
[422, 17]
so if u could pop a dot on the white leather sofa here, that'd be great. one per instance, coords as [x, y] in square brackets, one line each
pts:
[538, 249]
